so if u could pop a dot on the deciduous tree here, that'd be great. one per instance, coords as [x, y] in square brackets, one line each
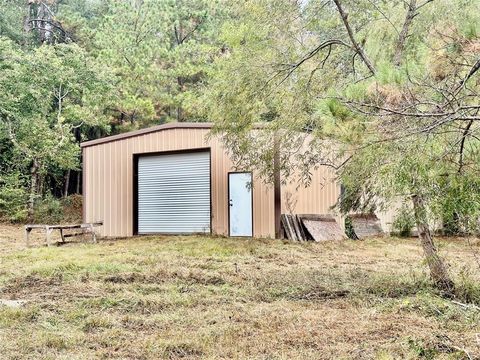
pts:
[386, 91]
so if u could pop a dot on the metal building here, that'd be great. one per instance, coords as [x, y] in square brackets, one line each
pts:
[174, 179]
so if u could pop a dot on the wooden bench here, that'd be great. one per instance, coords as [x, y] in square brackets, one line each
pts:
[87, 227]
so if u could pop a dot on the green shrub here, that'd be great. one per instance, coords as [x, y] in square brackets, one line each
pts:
[467, 288]
[422, 349]
[13, 197]
[72, 208]
[404, 222]
[451, 224]
[349, 231]
[48, 210]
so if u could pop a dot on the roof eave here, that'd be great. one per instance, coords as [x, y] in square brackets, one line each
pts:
[184, 125]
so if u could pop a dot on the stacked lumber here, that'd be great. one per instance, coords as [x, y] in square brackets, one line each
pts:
[311, 227]
[293, 228]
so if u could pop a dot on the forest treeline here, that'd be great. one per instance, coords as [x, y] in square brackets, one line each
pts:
[380, 80]
[386, 93]
[73, 70]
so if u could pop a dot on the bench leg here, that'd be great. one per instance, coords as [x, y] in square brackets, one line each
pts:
[61, 235]
[94, 236]
[48, 233]
[27, 235]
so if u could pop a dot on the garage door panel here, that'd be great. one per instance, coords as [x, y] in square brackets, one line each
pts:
[174, 193]
[186, 186]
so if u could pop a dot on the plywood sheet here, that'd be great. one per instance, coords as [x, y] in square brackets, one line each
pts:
[366, 225]
[322, 227]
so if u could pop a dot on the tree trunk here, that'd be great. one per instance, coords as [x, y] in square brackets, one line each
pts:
[402, 38]
[181, 89]
[34, 170]
[26, 19]
[438, 270]
[277, 191]
[79, 177]
[67, 184]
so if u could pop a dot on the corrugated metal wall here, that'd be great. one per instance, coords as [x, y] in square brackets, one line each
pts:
[108, 188]
[317, 198]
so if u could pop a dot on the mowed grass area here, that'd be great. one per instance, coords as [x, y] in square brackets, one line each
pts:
[206, 297]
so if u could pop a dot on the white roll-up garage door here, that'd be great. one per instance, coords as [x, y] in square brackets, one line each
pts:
[174, 193]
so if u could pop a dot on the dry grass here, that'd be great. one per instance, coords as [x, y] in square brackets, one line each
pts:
[200, 297]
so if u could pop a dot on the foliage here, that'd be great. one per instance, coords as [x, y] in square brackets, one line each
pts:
[46, 94]
[48, 210]
[403, 222]
[459, 205]
[76, 70]
[298, 76]
[11, 19]
[13, 197]
[72, 208]
[349, 230]
[160, 52]
[386, 93]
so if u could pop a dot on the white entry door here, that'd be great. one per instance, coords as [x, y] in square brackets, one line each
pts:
[240, 204]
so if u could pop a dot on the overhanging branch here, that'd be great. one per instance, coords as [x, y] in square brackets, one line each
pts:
[358, 48]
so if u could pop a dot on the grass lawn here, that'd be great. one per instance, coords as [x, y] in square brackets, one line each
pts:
[201, 297]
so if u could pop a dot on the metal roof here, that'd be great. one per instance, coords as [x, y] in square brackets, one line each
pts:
[177, 125]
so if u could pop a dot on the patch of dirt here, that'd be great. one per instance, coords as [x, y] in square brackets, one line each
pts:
[12, 238]
[181, 351]
[320, 293]
[12, 303]
[128, 278]
[35, 287]
[201, 278]
[162, 276]
[32, 283]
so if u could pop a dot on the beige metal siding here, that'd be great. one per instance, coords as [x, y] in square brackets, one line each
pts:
[108, 189]
[317, 198]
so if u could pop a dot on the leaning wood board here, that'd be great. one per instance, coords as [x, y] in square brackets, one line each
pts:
[322, 227]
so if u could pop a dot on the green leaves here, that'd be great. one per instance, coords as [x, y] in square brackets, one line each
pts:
[13, 196]
[44, 94]
[123, 65]
[160, 52]
[298, 62]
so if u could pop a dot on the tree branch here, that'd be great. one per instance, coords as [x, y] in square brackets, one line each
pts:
[462, 145]
[472, 72]
[358, 48]
[424, 3]
[290, 68]
[402, 37]
[392, 112]
[52, 23]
